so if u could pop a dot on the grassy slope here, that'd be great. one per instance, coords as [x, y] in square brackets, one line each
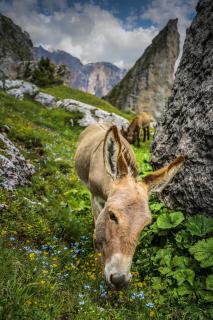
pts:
[48, 268]
[63, 92]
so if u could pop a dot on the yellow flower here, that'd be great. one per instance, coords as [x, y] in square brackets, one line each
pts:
[4, 232]
[32, 256]
[140, 284]
[45, 253]
[45, 272]
[152, 313]
[55, 265]
[42, 282]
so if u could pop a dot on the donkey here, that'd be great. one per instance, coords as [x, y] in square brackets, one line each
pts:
[142, 121]
[106, 163]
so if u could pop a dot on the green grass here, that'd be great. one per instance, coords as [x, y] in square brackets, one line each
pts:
[48, 269]
[63, 92]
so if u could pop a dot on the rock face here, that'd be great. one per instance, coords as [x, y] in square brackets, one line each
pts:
[97, 78]
[147, 85]
[15, 47]
[186, 126]
[14, 169]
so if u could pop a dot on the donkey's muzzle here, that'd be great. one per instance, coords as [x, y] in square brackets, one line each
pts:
[119, 281]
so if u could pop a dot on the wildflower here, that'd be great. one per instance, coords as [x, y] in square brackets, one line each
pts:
[42, 282]
[55, 265]
[152, 314]
[12, 238]
[4, 232]
[141, 295]
[32, 256]
[81, 302]
[86, 286]
[150, 305]
[65, 248]
[45, 272]
[55, 238]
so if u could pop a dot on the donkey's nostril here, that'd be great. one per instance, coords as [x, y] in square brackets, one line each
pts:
[119, 281]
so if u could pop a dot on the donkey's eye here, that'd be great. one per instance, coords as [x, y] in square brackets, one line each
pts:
[113, 217]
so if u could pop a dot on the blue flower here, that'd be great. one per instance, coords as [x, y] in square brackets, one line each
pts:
[81, 302]
[12, 238]
[86, 286]
[141, 295]
[150, 305]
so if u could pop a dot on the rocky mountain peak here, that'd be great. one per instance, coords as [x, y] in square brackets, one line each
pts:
[147, 85]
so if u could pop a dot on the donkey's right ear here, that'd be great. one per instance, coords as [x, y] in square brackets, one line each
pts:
[114, 161]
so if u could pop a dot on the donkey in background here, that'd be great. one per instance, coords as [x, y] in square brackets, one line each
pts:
[106, 163]
[133, 132]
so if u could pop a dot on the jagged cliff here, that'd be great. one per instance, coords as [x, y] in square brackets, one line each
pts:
[97, 78]
[16, 48]
[186, 126]
[147, 85]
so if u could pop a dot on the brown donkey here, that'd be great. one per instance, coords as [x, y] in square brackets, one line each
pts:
[106, 163]
[142, 121]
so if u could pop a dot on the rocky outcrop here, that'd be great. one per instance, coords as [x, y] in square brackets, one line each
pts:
[91, 114]
[147, 85]
[14, 169]
[46, 99]
[97, 78]
[186, 126]
[19, 88]
[15, 48]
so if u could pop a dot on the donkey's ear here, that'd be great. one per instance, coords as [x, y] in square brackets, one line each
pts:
[114, 161]
[158, 180]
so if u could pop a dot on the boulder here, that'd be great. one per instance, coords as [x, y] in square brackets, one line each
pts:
[19, 88]
[186, 126]
[46, 99]
[91, 114]
[14, 169]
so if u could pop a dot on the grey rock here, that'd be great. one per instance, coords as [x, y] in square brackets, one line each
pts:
[186, 126]
[147, 85]
[19, 88]
[46, 99]
[91, 114]
[14, 169]
[15, 47]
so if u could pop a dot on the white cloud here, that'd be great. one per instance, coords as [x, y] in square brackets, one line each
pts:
[91, 33]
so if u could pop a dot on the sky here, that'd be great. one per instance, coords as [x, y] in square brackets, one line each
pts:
[98, 30]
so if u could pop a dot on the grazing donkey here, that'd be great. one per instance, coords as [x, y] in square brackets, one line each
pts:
[142, 121]
[106, 163]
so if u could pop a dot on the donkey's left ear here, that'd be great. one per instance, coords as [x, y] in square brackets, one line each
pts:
[158, 180]
[114, 161]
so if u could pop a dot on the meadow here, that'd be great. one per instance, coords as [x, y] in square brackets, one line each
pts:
[48, 268]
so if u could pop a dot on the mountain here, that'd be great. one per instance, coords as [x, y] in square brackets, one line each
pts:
[16, 47]
[147, 85]
[58, 57]
[97, 78]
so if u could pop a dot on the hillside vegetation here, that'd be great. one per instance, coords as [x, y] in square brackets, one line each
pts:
[48, 268]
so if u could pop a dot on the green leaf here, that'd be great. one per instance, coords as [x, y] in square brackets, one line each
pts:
[182, 275]
[180, 262]
[163, 257]
[203, 252]
[170, 220]
[199, 225]
[209, 282]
